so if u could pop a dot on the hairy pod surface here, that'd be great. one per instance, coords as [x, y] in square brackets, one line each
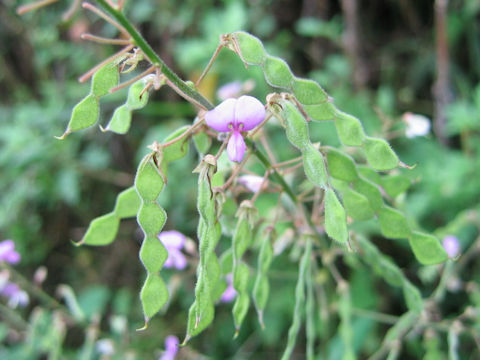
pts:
[261, 287]
[335, 217]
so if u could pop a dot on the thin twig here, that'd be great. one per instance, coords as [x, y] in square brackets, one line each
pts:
[104, 40]
[33, 6]
[236, 171]
[105, 17]
[134, 79]
[185, 134]
[210, 63]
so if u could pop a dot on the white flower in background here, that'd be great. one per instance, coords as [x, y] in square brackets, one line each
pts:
[251, 182]
[235, 89]
[105, 347]
[417, 125]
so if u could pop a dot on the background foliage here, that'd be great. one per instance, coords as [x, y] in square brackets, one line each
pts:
[52, 189]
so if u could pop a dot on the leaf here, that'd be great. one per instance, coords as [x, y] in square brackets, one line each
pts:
[308, 92]
[84, 115]
[127, 204]
[393, 223]
[335, 218]
[341, 166]
[349, 129]
[154, 295]
[251, 48]
[101, 231]
[380, 155]
[120, 121]
[427, 249]
[277, 72]
[202, 142]
[105, 79]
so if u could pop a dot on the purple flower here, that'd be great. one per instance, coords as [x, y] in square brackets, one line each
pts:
[16, 296]
[230, 293]
[171, 348]
[8, 253]
[230, 90]
[236, 115]
[251, 182]
[451, 245]
[174, 242]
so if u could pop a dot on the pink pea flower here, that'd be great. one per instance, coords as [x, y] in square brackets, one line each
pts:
[235, 116]
[174, 241]
[230, 293]
[451, 245]
[251, 182]
[171, 348]
[8, 253]
[16, 296]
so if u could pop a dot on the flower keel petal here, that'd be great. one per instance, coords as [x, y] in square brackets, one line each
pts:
[236, 147]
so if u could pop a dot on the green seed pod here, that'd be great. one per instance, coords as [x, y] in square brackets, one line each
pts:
[148, 181]
[390, 271]
[310, 316]
[379, 154]
[177, 150]
[308, 92]
[341, 166]
[240, 309]
[241, 238]
[369, 174]
[105, 79]
[251, 48]
[370, 191]
[395, 185]
[299, 300]
[427, 249]
[101, 231]
[277, 72]
[357, 205]
[193, 327]
[393, 223]
[403, 324]
[84, 115]
[349, 129]
[151, 218]
[314, 166]
[120, 121]
[335, 218]
[154, 295]
[412, 296]
[153, 254]
[296, 126]
[134, 100]
[127, 203]
[345, 328]
[321, 112]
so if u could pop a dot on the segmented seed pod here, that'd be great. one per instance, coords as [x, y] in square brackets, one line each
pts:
[299, 299]
[261, 287]
[149, 183]
[345, 314]
[202, 311]
[241, 240]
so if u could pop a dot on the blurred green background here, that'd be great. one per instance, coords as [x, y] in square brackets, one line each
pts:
[378, 62]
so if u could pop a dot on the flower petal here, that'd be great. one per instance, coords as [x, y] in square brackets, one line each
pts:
[221, 116]
[236, 147]
[248, 111]
[172, 239]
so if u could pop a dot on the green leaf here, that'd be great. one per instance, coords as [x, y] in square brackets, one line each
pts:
[393, 223]
[101, 231]
[321, 112]
[202, 142]
[314, 166]
[134, 100]
[120, 121]
[380, 155]
[308, 92]
[341, 166]
[395, 185]
[84, 115]
[277, 72]
[427, 249]
[349, 129]
[335, 218]
[154, 295]
[127, 204]
[357, 205]
[251, 48]
[105, 79]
